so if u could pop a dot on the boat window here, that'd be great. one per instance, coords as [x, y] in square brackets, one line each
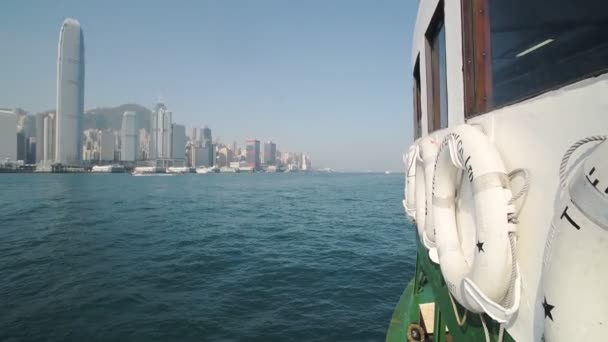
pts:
[531, 46]
[438, 91]
[417, 103]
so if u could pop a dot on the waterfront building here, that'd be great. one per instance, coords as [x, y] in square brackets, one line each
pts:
[8, 135]
[270, 153]
[143, 147]
[89, 146]
[306, 164]
[26, 127]
[128, 137]
[206, 136]
[49, 139]
[193, 134]
[107, 140]
[178, 142]
[225, 157]
[253, 154]
[70, 94]
[39, 136]
[31, 150]
[160, 130]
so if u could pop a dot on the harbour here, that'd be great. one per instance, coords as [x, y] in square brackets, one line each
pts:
[113, 267]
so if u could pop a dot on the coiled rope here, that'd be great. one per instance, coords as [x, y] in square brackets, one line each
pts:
[564, 164]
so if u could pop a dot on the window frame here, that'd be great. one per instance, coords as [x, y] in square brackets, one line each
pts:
[477, 57]
[433, 76]
[417, 100]
[477, 62]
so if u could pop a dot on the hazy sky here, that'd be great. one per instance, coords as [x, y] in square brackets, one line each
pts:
[327, 77]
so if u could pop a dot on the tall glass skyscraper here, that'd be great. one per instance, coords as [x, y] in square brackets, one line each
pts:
[70, 94]
[253, 154]
[128, 137]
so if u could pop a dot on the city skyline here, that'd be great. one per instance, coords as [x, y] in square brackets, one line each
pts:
[247, 70]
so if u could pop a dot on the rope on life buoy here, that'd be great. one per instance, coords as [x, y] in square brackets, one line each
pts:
[564, 164]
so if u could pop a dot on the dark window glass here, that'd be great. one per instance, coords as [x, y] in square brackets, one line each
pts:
[443, 78]
[540, 45]
[417, 102]
[438, 91]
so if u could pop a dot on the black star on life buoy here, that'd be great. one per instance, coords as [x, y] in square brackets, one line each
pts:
[548, 307]
[479, 246]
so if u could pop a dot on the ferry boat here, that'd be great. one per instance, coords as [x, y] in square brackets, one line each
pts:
[108, 169]
[204, 170]
[150, 171]
[178, 170]
[229, 170]
[507, 177]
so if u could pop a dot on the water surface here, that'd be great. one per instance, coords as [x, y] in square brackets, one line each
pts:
[222, 257]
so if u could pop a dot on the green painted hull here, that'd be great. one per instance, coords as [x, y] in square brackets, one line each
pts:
[428, 286]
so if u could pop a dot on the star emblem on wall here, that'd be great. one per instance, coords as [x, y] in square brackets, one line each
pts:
[548, 307]
[479, 245]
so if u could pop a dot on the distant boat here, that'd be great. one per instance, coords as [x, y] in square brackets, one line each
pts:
[202, 170]
[108, 169]
[150, 171]
[387, 172]
[229, 170]
[179, 170]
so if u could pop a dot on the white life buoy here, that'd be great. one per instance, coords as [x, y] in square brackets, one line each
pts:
[491, 284]
[573, 302]
[425, 166]
[409, 203]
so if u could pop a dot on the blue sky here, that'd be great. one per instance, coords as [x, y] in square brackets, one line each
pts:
[327, 77]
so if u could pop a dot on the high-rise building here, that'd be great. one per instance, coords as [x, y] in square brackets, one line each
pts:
[21, 145]
[8, 135]
[160, 144]
[235, 150]
[31, 150]
[178, 142]
[39, 136]
[194, 135]
[49, 125]
[128, 138]
[270, 153]
[70, 93]
[225, 157]
[253, 154]
[106, 140]
[90, 145]
[143, 148]
[26, 126]
[306, 165]
[206, 136]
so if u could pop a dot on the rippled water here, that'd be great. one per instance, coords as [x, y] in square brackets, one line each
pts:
[249, 257]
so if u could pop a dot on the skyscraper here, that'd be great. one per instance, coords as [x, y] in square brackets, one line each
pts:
[48, 144]
[253, 153]
[106, 140]
[178, 142]
[128, 137]
[70, 94]
[206, 138]
[270, 153]
[306, 165]
[39, 136]
[160, 142]
[8, 135]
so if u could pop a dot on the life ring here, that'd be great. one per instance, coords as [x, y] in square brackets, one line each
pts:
[409, 203]
[492, 279]
[576, 252]
[425, 166]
